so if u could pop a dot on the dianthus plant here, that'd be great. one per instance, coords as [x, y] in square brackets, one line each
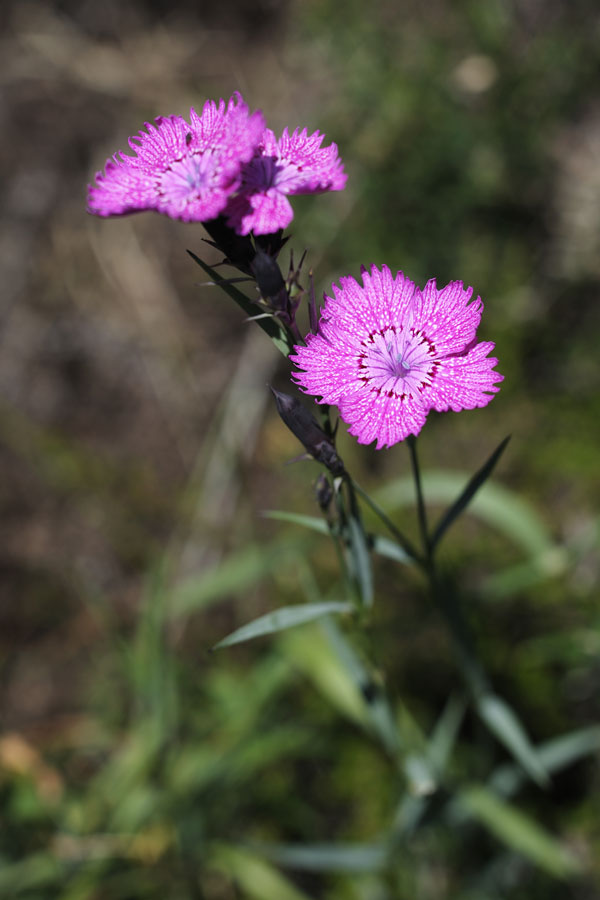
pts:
[384, 351]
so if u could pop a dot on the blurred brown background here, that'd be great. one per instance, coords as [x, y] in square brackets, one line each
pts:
[118, 375]
[113, 364]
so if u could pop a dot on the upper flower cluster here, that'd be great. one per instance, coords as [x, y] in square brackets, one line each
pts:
[294, 164]
[223, 162]
[387, 353]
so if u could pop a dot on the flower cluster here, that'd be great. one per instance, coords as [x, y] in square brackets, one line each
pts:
[223, 162]
[386, 353]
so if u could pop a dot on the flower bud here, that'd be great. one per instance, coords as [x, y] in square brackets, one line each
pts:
[237, 249]
[310, 434]
[323, 492]
[269, 279]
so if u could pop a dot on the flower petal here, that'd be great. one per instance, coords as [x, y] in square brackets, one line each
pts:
[122, 188]
[187, 171]
[448, 316]
[381, 301]
[388, 297]
[296, 164]
[262, 213]
[306, 167]
[377, 416]
[464, 382]
[329, 373]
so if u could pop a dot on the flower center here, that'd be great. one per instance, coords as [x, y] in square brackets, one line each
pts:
[261, 173]
[397, 361]
[401, 368]
[265, 172]
[186, 179]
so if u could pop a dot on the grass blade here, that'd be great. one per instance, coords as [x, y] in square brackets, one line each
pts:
[312, 522]
[381, 545]
[518, 831]
[502, 509]
[556, 754]
[256, 877]
[390, 549]
[478, 479]
[361, 560]
[281, 619]
[349, 858]
[504, 724]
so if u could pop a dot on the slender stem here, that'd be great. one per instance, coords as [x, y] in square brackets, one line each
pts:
[442, 593]
[444, 596]
[337, 540]
[402, 540]
[427, 549]
[360, 549]
[295, 333]
[350, 487]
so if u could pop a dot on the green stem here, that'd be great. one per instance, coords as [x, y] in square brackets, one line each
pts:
[359, 547]
[443, 595]
[402, 540]
[294, 331]
[337, 542]
[352, 491]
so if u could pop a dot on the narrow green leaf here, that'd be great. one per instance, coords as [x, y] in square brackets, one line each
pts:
[381, 545]
[312, 522]
[420, 775]
[503, 722]
[445, 733]
[409, 813]
[349, 858]
[328, 659]
[234, 573]
[269, 325]
[413, 807]
[518, 831]
[555, 755]
[36, 872]
[477, 481]
[500, 507]
[401, 539]
[281, 619]
[309, 651]
[256, 877]
[379, 717]
[523, 576]
[385, 547]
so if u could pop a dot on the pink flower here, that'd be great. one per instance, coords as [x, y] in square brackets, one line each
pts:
[294, 164]
[185, 171]
[387, 353]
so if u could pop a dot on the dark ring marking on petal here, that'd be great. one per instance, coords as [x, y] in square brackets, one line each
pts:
[391, 393]
[379, 332]
[418, 333]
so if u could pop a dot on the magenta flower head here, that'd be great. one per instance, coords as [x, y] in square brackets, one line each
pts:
[294, 164]
[386, 353]
[186, 171]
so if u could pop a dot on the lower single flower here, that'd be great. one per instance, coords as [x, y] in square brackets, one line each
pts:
[388, 352]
